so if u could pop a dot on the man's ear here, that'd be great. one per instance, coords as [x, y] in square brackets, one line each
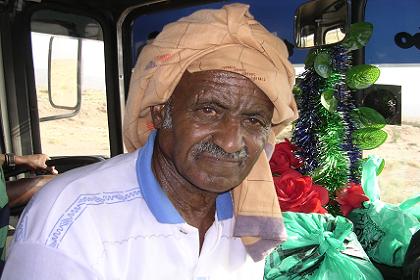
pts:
[158, 115]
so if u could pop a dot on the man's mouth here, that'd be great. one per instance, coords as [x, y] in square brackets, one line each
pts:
[217, 158]
[215, 152]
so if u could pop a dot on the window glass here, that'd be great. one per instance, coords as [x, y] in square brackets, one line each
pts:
[70, 85]
[276, 16]
[395, 49]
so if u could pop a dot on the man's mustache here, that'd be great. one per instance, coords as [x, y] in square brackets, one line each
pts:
[217, 152]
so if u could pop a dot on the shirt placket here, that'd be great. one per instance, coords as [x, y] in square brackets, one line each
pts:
[207, 254]
[188, 247]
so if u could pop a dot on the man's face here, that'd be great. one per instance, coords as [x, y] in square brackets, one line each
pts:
[215, 128]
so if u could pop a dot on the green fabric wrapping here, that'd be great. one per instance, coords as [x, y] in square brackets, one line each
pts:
[369, 180]
[384, 230]
[412, 206]
[319, 247]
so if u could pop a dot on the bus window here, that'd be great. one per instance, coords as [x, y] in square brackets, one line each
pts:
[69, 66]
[395, 50]
[148, 25]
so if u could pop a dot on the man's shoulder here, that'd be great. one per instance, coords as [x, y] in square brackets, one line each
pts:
[109, 175]
[72, 194]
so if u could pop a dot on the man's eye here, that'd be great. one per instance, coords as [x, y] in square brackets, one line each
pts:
[208, 111]
[255, 121]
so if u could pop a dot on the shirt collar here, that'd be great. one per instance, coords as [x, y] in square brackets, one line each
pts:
[157, 201]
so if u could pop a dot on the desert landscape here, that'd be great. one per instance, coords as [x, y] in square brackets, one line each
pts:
[400, 178]
[86, 133]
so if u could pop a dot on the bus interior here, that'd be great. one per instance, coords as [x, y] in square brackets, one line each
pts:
[65, 69]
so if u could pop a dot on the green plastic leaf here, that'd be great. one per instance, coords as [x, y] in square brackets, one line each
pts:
[322, 64]
[297, 90]
[358, 36]
[368, 117]
[328, 100]
[362, 76]
[369, 138]
[380, 168]
[310, 58]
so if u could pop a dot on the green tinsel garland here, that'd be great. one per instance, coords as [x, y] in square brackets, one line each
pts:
[333, 169]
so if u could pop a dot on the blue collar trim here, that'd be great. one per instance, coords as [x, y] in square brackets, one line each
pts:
[157, 201]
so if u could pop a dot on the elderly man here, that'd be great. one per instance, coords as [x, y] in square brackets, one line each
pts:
[196, 200]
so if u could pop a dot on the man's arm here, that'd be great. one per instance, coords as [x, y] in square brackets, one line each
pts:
[36, 162]
[2, 159]
[21, 191]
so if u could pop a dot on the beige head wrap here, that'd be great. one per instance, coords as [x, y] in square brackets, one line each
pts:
[226, 39]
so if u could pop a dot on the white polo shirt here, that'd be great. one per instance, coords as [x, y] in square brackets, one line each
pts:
[112, 220]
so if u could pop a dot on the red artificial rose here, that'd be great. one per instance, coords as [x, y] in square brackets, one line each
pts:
[350, 198]
[283, 158]
[297, 193]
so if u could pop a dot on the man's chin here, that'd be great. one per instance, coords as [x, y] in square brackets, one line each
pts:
[218, 184]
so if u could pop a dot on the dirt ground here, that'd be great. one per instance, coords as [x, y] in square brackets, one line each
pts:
[400, 178]
[84, 134]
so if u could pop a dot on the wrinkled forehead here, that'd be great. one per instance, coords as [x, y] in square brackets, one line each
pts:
[218, 81]
[216, 75]
[224, 89]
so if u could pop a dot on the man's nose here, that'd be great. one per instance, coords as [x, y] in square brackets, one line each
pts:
[229, 135]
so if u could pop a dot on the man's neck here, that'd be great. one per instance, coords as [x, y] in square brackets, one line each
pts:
[196, 206]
